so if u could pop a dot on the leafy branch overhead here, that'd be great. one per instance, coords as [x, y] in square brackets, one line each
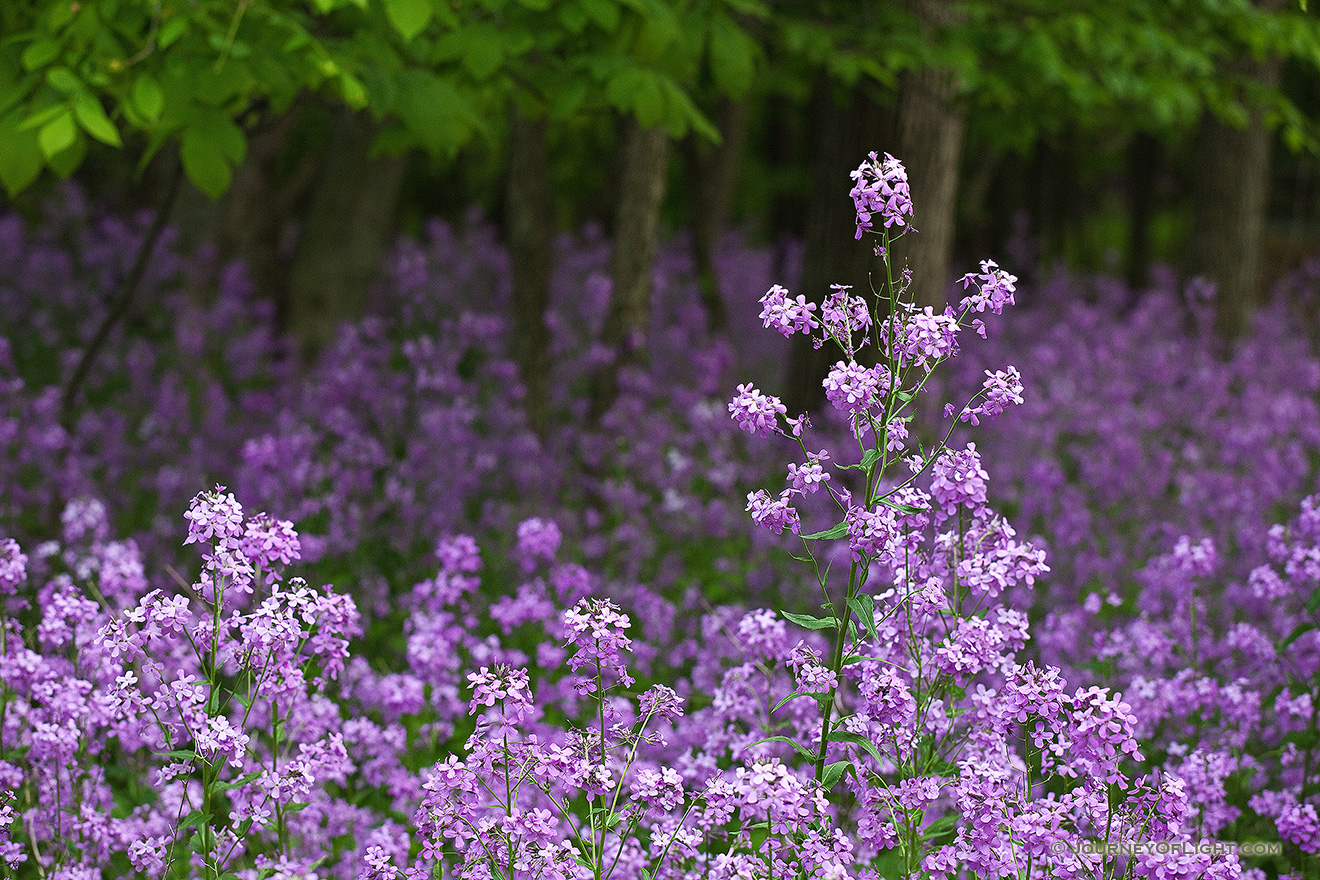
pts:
[436, 73]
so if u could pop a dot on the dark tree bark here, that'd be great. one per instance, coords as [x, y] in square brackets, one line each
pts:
[123, 300]
[249, 221]
[931, 124]
[1144, 156]
[530, 230]
[262, 202]
[1232, 183]
[843, 135]
[645, 161]
[712, 181]
[979, 218]
[346, 229]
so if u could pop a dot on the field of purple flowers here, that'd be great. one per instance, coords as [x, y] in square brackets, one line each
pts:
[1048, 611]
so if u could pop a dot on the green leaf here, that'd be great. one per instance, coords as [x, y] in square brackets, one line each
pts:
[92, 118]
[61, 14]
[437, 114]
[829, 534]
[856, 739]
[57, 135]
[603, 12]
[785, 700]
[568, 99]
[801, 749]
[1313, 603]
[148, 98]
[940, 827]
[20, 154]
[41, 117]
[660, 30]
[901, 508]
[196, 817]
[483, 54]
[41, 53]
[63, 80]
[536, 5]
[237, 783]
[352, 91]
[67, 161]
[834, 772]
[15, 91]
[177, 754]
[1298, 631]
[635, 91]
[211, 146]
[573, 17]
[807, 621]
[748, 7]
[296, 41]
[409, 17]
[870, 457]
[732, 54]
[171, 30]
[864, 607]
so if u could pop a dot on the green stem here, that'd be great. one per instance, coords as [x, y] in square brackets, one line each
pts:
[836, 663]
[598, 840]
[280, 828]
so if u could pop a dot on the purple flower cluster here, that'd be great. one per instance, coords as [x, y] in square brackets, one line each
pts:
[1002, 389]
[994, 288]
[881, 188]
[756, 413]
[958, 480]
[924, 338]
[774, 514]
[786, 315]
[855, 389]
[216, 703]
[843, 316]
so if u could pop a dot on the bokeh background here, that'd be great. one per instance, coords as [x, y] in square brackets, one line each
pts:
[1108, 137]
[395, 268]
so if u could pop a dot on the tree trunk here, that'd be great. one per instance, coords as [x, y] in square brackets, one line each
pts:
[249, 221]
[714, 177]
[530, 229]
[249, 227]
[645, 162]
[1229, 210]
[1143, 162]
[843, 135]
[346, 229]
[931, 125]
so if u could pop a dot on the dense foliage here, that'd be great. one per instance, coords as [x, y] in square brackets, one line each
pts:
[447, 647]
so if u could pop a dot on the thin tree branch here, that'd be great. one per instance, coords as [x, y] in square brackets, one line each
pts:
[121, 305]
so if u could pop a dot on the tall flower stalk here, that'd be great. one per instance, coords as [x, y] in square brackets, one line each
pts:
[949, 778]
